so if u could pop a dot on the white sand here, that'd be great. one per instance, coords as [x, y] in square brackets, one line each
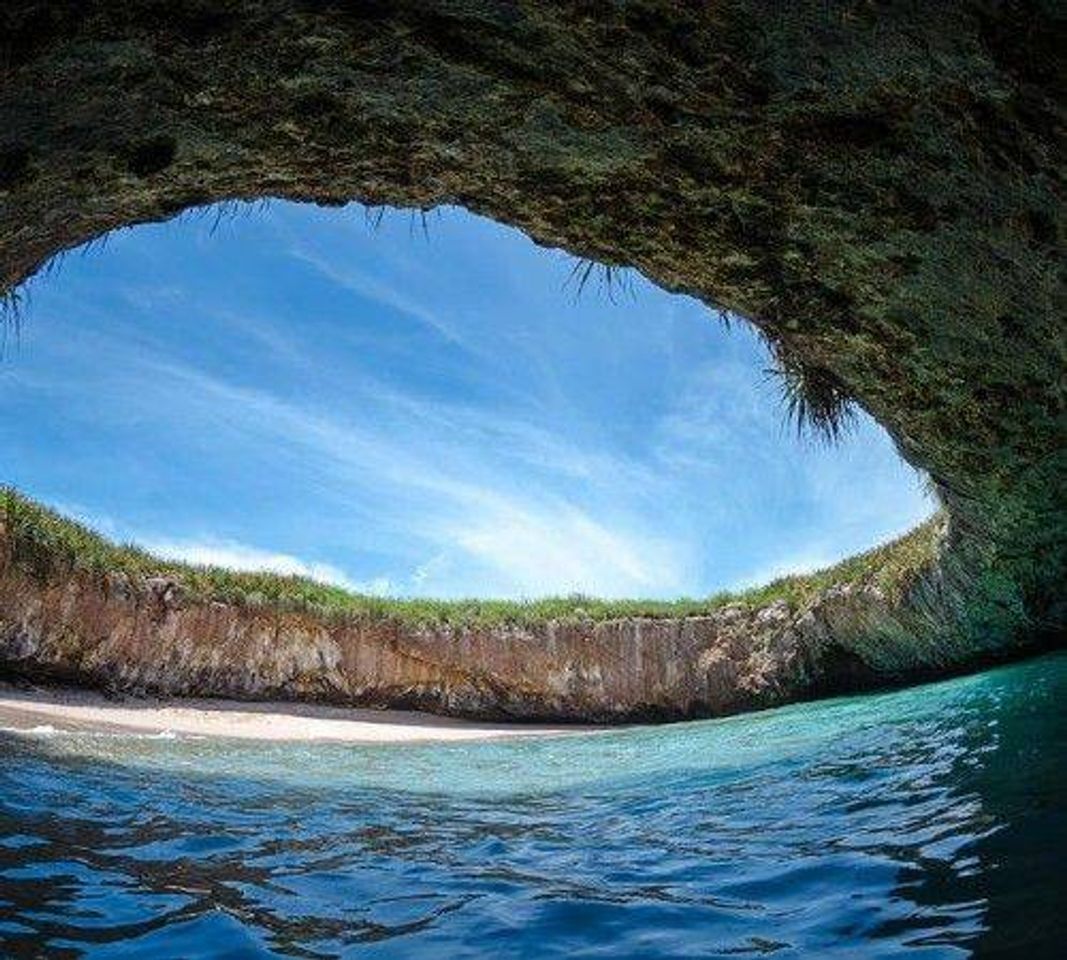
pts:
[85, 710]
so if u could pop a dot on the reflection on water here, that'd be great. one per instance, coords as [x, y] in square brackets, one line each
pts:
[926, 823]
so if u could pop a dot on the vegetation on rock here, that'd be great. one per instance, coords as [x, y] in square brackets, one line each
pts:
[48, 546]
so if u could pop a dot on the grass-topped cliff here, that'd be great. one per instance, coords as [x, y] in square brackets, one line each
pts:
[48, 545]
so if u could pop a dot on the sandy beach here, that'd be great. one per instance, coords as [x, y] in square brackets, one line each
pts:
[74, 710]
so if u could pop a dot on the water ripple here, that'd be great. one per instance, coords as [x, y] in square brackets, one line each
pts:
[923, 823]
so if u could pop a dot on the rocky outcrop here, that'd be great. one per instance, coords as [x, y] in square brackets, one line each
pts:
[877, 187]
[147, 635]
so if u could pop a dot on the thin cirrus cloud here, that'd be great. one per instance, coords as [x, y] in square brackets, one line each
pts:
[464, 509]
[356, 280]
[482, 528]
[228, 554]
[240, 556]
[446, 495]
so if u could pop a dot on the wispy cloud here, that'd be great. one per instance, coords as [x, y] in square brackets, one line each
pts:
[566, 550]
[814, 557]
[478, 527]
[239, 556]
[367, 286]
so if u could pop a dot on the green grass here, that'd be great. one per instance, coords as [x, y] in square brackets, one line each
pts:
[49, 546]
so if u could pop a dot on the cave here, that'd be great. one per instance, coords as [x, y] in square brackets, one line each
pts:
[878, 188]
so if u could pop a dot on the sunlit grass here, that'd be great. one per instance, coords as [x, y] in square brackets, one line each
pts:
[49, 546]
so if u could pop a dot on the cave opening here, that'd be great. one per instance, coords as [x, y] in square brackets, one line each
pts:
[426, 404]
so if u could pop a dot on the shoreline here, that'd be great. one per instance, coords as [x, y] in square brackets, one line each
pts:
[76, 608]
[72, 710]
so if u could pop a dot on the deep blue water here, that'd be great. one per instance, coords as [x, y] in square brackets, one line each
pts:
[929, 822]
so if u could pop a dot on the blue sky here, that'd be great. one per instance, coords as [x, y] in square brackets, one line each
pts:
[431, 414]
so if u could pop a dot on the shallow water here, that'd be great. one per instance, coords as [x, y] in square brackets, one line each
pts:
[929, 822]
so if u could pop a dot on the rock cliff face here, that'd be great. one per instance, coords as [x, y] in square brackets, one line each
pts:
[145, 635]
[877, 187]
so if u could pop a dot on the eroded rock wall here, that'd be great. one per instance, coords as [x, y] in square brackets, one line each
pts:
[145, 635]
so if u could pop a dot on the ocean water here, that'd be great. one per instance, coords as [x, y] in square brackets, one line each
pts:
[930, 822]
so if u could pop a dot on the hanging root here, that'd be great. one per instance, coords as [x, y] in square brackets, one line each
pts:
[815, 400]
[11, 304]
[612, 279]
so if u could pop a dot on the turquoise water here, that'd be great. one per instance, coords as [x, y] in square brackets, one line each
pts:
[929, 822]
